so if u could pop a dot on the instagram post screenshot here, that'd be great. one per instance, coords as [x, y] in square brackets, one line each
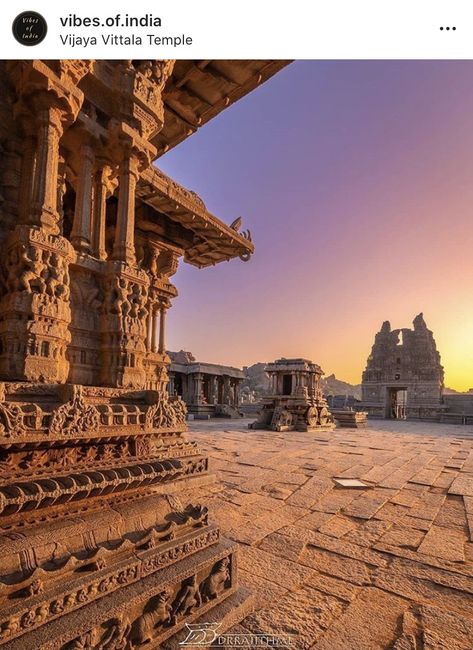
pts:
[236, 325]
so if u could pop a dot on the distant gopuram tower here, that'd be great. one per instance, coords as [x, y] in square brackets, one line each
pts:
[97, 550]
[296, 401]
[404, 376]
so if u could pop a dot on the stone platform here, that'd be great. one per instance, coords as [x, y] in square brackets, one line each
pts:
[385, 566]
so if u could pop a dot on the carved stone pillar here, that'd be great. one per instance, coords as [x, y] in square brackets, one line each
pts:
[44, 207]
[124, 336]
[124, 244]
[162, 330]
[213, 390]
[27, 176]
[171, 387]
[155, 331]
[100, 191]
[197, 387]
[81, 231]
[149, 329]
[36, 314]
[226, 389]
[237, 393]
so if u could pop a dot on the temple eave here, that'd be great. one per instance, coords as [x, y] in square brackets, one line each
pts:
[218, 242]
[200, 90]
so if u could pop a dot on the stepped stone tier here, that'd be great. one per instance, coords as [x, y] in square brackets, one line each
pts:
[96, 548]
[350, 418]
[404, 376]
[295, 401]
[208, 389]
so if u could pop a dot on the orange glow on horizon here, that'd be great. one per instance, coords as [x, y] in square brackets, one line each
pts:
[360, 209]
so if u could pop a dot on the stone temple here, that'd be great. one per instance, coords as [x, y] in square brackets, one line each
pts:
[404, 377]
[208, 389]
[96, 548]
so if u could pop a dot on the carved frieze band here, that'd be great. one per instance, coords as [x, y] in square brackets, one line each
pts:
[78, 418]
[31, 615]
[19, 496]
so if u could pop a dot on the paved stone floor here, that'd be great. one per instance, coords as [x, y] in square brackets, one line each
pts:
[386, 566]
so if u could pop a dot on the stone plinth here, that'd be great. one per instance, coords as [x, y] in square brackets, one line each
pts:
[349, 418]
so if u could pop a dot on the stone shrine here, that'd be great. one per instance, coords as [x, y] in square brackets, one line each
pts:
[208, 389]
[296, 401]
[96, 549]
[404, 376]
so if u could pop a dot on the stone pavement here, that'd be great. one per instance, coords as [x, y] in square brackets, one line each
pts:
[386, 566]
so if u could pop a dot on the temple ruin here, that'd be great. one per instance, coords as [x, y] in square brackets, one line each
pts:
[296, 401]
[208, 389]
[97, 550]
[404, 376]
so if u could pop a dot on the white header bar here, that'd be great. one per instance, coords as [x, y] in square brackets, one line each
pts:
[226, 29]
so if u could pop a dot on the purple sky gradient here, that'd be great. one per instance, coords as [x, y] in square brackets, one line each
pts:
[356, 181]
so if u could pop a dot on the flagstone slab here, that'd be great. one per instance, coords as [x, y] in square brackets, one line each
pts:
[444, 543]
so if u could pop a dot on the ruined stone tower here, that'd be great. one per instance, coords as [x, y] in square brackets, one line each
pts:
[403, 376]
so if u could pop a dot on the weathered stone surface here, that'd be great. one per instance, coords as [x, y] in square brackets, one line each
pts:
[273, 568]
[370, 621]
[349, 557]
[286, 547]
[332, 564]
[445, 543]
[310, 492]
[403, 536]
[423, 591]
[462, 485]
[304, 614]
[337, 526]
[333, 586]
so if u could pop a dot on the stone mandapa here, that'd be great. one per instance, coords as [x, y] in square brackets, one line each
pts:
[97, 550]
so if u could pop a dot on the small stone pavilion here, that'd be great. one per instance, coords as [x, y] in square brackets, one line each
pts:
[208, 389]
[295, 401]
[97, 550]
[404, 376]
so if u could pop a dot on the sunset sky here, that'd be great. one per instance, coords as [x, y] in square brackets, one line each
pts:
[356, 181]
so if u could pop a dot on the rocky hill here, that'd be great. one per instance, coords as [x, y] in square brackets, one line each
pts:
[333, 386]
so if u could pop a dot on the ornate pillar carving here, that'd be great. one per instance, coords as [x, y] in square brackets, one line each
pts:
[149, 329]
[101, 191]
[124, 244]
[44, 208]
[81, 230]
[155, 328]
[27, 177]
[162, 329]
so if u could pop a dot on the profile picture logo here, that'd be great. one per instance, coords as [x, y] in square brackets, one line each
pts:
[29, 28]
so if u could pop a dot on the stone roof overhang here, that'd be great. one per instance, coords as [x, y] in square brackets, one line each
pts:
[207, 369]
[296, 365]
[196, 92]
[212, 241]
[199, 90]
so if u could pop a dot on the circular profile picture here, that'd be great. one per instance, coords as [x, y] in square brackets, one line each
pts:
[29, 28]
